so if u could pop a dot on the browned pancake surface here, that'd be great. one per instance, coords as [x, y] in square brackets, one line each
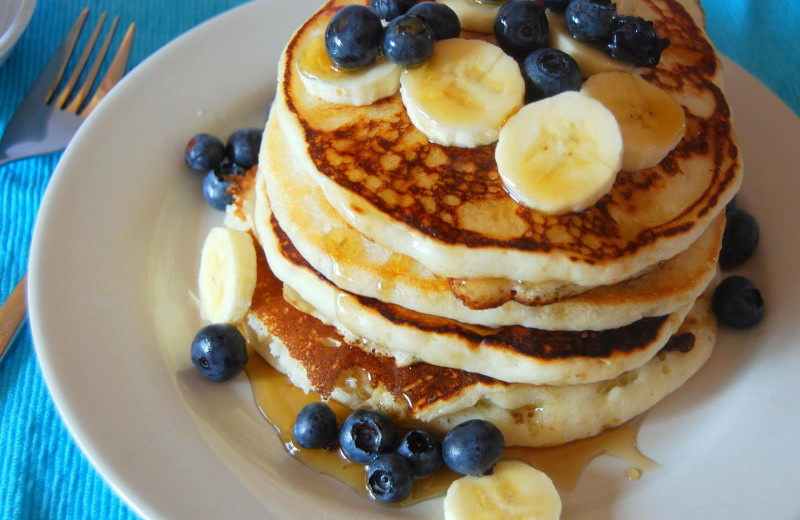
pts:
[535, 343]
[456, 196]
[326, 356]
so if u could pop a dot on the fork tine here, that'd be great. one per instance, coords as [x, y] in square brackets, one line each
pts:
[83, 92]
[61, 100]
[55, 68]
[115, 71]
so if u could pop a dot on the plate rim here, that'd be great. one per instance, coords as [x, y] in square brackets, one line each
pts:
[143, 507]
[11, 36]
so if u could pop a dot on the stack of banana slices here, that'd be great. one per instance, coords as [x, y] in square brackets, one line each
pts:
[426, 245]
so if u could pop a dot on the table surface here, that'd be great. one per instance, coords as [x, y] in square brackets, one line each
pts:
[42, 472]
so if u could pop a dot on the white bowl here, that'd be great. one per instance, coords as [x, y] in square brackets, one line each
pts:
[14, 18]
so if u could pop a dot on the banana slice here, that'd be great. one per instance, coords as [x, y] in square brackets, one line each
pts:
[227, 275]
[473, 15]
[464, 94]
[515, 491]
[560, 154]
[361, 87]
[651, 121]
[591, 60]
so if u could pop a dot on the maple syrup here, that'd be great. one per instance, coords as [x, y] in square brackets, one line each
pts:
[280, 402]
[633, 473]
[315, 62]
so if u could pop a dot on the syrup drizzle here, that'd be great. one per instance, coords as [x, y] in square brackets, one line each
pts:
[280, 403]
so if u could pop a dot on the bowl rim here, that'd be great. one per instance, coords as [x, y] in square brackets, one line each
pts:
[12, 34]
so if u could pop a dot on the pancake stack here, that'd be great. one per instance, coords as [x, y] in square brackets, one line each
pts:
[398, 274]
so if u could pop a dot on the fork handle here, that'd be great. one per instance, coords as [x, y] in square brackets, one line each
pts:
[5, 159]
[12, 314]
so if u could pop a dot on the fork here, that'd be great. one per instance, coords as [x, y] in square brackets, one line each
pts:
[45, 123]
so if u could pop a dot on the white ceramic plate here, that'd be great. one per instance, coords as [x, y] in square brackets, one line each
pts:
[115, 254]
[14, 18]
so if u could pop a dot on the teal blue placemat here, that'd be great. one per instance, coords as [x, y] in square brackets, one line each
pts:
[762, 37]
[42, 473]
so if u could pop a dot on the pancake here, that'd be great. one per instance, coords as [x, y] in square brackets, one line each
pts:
[446, 206]
[513, 354]
[316, 357]
[358, 265]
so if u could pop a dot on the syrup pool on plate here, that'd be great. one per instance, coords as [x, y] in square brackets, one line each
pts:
[280, 402]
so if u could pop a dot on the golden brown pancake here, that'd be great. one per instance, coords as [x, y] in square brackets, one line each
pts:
[446, 206]
[316, 357]
[630, 368]
[514, 353]
[360, 266]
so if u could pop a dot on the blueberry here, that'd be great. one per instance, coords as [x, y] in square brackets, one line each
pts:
[204, 152]
[390, 9]
[635, 40]
[229, 168]
[217, 183]
[243, 147]
[365, 434]
[423, 451]
[556, 5]
[473, 447]
[215, 190]
[521, 27]
[590, 20]
[442, 20]
[219, 352]
[740, 239]
[389, 478]
[315, 426]
[353, 37]
[737, 303]
[548, 72]
[407, 41]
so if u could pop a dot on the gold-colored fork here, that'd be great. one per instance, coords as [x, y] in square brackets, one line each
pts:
[45, 123]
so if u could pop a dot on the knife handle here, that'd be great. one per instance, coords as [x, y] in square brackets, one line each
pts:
[12, 314]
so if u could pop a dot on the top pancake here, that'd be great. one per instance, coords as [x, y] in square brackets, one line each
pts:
[360, 266]
[446, 206]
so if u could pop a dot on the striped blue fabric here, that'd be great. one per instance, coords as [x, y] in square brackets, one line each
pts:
[42, 472]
